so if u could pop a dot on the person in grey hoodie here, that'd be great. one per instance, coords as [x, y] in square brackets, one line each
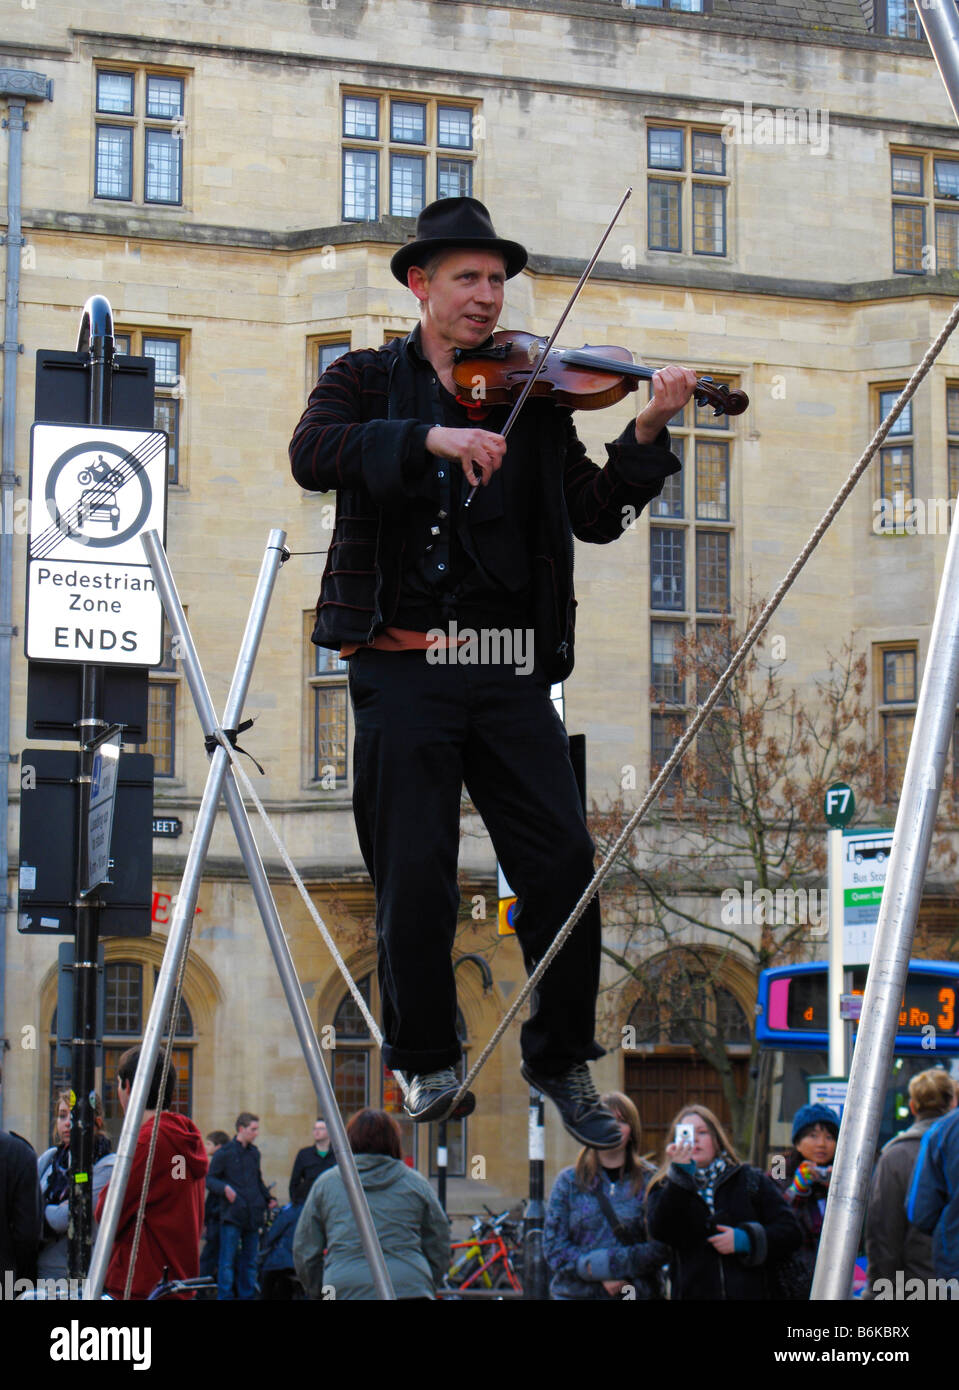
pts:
[893, 1243]
[412, 1227]
[53, 1172]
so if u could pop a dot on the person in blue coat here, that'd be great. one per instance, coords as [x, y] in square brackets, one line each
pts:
[932, 1202]
[595, 1237]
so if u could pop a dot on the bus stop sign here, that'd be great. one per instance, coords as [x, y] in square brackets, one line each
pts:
[839, 805]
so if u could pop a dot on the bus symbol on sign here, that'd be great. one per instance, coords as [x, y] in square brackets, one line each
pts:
[858, 850]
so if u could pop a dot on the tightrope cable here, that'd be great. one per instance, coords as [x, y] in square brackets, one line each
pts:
[706, 709]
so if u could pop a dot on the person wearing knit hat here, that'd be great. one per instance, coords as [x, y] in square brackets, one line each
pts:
[808, 1116]
[815, 1130]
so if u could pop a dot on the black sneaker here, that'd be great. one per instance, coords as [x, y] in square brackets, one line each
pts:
[431, 1095]
[577, 1100]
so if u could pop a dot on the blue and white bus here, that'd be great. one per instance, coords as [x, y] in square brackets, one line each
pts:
[791, 1029]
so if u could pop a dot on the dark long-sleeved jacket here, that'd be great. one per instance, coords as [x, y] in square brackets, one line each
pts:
[932, 1203]
[363, 435]
[238, 1165]
[679, 1217]
[892, 1242]
[19, 1207]
[307, 1167]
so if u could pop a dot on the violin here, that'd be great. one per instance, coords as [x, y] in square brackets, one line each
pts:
[586, 378]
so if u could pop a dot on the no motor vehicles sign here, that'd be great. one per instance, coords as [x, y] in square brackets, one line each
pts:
[90, 593]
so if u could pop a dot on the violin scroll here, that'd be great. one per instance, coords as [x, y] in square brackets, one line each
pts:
[723, 401]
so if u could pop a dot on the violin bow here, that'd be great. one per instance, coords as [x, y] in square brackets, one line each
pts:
[555, 333]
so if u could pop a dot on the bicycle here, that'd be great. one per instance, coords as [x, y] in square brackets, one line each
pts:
[483, 1262]
[167, 1288]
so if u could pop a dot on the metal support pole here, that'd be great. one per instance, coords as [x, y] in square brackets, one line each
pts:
[184, 909]
[442, 1163]
[941, 23]
[15, 124]
[17, 86]
[442, 1146]
[535, 1285]
[257, 873]
[267, 907]
[899, 909]
[886, 981]
[95, 337]
[837, 1059]
[307, 1036]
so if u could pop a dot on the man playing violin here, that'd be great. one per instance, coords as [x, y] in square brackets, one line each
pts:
[411, 569]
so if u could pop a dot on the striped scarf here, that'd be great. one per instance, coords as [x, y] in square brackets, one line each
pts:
[707, 1179]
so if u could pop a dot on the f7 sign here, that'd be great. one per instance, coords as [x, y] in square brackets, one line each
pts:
[91, 596]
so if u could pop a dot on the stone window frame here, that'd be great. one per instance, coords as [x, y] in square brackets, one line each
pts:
[901, 438]
[385, 150]
[894, 708]
[906, 24]
[169, 393]
[689, 513]
[139, 126]
[326, 679]
[676, 6]
[689, 182]
[164, 711]
[934, 211]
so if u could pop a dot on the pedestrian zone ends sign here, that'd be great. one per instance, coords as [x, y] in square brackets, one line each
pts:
[91, 596]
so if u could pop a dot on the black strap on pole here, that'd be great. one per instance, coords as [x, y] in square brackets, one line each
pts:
[535, 1278]
[96, 338]
[442, 1158]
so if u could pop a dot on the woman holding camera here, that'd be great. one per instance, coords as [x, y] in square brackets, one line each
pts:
[726, 1223]
[595, 1236]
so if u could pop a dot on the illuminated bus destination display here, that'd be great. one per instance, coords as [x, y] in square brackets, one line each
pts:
[792, 1005]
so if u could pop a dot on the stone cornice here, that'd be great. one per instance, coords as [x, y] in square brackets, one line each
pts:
[389, 232]
[409, 75]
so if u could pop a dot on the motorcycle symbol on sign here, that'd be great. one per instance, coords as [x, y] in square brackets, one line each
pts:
[99, 502]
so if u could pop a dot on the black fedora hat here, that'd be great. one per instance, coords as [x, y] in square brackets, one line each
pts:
[452, 222]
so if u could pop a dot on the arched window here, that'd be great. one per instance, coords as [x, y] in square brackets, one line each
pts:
[128, 993]
[683, 1015]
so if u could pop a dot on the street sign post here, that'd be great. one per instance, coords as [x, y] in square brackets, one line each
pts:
[865, 859]
[839, 805]
[90, 595]
[103, 786]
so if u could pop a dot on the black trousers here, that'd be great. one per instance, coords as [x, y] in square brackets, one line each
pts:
[422, 731]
